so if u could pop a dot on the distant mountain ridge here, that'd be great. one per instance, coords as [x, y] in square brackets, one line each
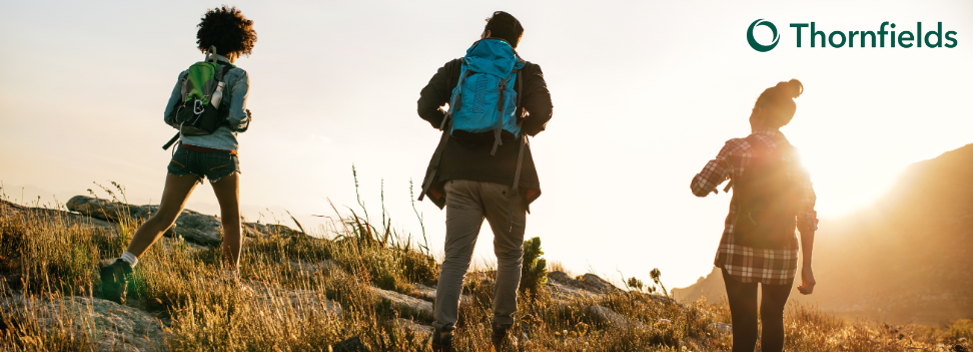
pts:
[908, 259]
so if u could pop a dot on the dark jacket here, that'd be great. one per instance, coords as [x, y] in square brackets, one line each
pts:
[466, 159]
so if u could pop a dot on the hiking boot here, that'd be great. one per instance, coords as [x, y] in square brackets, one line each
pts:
[442, 342]
[499, 334]
[114, 281]
[499, 337]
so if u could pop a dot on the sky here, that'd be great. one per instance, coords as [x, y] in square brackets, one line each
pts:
[644, 93]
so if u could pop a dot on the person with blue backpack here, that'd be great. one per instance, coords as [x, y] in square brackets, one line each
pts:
[208, 106]
[486, 104]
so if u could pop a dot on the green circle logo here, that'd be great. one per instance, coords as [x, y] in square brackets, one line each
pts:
[753, 42]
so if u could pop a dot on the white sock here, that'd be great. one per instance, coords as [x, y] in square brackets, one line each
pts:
[130, 258]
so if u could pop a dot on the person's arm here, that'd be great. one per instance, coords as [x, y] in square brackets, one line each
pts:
[536, 101]
[807, 224]
[436, 93]
[169, 115]
[239, 119]
[714, 173]
[807, 273]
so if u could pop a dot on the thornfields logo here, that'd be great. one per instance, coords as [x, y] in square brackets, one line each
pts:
[753, 42]
[837, 39]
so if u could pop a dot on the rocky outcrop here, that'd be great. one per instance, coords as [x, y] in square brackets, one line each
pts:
[585, 285]
[106, 325]
[596, 284]
[194, 226]
[721, 328]
[107, 210]
[427, 293]
[613, 318]
[403, 302]
[412, 327]
[424, 292]
[302, 303]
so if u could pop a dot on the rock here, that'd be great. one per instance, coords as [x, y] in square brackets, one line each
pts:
[617, 320]
[197, 227]
[302, 303]
[350, 345]
[596, 284]
[412, 327]
[400, 301]
[107, 210]
[191, 225]
[722, 328]
[589, 282]
[194, 226]
[425, 292]
[691, 344]
[304, 300]
[566, 292]
[115, 327]
[559, 276]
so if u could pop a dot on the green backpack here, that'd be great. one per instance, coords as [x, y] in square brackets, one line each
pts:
[200, 112]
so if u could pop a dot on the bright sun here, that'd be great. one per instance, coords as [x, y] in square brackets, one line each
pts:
[848, 180]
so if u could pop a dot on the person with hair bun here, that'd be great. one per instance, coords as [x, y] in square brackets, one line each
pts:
[212, 156]
[772, 196]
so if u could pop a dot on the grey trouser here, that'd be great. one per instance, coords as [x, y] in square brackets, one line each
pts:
[467, 203]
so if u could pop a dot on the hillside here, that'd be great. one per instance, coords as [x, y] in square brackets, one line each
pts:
[908, 259]
[356, 287]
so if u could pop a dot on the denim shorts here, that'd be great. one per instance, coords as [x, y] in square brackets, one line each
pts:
[213, 166]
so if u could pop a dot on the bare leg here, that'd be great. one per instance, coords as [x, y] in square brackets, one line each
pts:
[174, 196]
[227, 191]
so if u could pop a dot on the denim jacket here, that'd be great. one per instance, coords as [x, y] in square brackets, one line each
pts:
[235, 96]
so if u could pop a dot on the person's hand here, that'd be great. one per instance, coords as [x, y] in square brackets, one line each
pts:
[807, 280]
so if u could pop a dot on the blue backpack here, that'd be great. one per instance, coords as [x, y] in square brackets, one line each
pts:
[484, 99]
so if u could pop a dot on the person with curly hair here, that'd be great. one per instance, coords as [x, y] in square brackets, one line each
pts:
[212, 156]
[772, 196]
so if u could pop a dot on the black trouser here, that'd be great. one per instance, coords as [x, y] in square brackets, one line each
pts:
[743, 310]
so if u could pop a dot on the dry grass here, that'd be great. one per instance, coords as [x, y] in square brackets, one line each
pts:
[558, 266]
[282, 301]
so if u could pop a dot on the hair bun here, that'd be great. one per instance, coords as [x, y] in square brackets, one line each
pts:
[790, 89]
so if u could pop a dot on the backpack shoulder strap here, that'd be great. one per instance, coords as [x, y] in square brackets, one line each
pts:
[456, 100]
[184, 90]
[222, 69]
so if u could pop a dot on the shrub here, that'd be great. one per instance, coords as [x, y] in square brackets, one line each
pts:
[534, 271]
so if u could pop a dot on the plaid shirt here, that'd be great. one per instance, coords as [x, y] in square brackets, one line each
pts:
[773, 266]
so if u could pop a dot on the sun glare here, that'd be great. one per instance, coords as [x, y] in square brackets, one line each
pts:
[845, 180]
